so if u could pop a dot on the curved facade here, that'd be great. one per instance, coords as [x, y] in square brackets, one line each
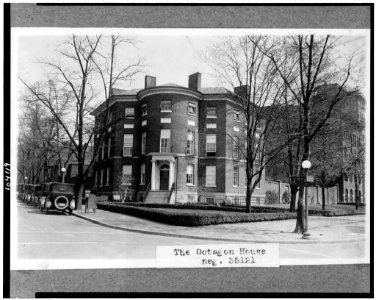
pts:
[173, 144]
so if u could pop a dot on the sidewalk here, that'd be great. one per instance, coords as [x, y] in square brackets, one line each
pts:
[322, 229]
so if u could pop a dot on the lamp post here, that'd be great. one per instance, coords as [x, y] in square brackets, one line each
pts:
[25, 179]
[63, 171]
[306, 165]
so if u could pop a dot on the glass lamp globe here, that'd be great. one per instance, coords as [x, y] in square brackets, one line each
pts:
[306, 164]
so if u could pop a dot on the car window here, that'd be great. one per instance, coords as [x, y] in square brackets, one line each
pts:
[66, 188]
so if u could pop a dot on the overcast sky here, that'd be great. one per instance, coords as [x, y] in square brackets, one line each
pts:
[169, 57]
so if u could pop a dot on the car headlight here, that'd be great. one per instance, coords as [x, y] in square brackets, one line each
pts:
[72, 204]
[48, 204]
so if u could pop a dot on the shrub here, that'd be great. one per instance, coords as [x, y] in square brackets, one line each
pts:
[193, 217]
[271, 197]
[286, 197]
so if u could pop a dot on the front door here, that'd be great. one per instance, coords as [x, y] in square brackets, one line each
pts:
[163, 177]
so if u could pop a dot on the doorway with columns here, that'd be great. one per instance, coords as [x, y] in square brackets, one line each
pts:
[162, 172]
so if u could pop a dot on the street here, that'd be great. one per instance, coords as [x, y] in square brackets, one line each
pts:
[57, 236]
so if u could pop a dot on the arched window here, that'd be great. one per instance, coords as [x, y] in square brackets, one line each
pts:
[346, 195]
[351, 195]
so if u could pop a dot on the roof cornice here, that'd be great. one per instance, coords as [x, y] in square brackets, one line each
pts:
[169, 90]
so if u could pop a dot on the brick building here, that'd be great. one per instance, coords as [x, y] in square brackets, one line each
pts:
[352, 112]
[347, 134]
[173, 144]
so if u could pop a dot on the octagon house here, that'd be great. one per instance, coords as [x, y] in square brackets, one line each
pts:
[173, 144]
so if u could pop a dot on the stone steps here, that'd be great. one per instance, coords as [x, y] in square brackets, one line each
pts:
[157, 197]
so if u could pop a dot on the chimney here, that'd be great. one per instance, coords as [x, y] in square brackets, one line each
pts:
[150, 81]
[194, 81]
[242, 90]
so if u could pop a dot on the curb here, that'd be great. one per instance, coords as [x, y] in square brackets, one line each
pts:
[211, 238]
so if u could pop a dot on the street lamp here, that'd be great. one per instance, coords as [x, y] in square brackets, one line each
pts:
[25, 179]
[63, 171]
[306, 165]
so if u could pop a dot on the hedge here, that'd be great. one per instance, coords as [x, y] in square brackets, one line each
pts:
[317, 211]
[193, 217]
[201, 206]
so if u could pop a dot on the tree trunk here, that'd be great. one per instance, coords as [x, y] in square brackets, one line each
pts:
[323, 196]
[79, 196]
[299, 228]
[294, 190]
[80, 184]
[248, 198]
[356, 192]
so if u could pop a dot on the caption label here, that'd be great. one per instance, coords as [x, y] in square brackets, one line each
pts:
[220, 255]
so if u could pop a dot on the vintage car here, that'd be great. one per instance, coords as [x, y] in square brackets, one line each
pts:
[36, 194]
[58, 196]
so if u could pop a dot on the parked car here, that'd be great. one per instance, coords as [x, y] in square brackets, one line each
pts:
[58, 196]
[36, 194]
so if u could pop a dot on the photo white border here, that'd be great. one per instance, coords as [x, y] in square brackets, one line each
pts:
[16, 32]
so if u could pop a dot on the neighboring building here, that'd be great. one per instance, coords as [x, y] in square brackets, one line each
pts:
[53, 170]
[348, 133]
[173, 144]
[352, 111]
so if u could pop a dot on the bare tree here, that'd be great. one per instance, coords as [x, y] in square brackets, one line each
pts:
[71, 92]
[240, 63]
[306, 63]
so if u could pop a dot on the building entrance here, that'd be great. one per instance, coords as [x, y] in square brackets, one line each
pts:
[164, 177]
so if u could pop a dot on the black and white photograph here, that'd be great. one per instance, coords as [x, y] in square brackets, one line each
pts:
[204, 148]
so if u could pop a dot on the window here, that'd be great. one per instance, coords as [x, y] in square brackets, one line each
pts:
[191, 108]
[129, 112]
[210, 176]
[211, 112]
[128, 126]
[191, 123]
[101, 178]
[346, 195]
[166, 106]
[235, 147]
[142, 180]
[211, 125]
[103, 150]
[99, 153]
[165, 141]
[211, 144]
[109, 147]
[165, 120]
[144, 122]
[236, 116]
[108, 176]
[126, 175]
[191, 142]
[190, 169]
[236, 176]
[144, 109]
[128, 145]
[143, 143]
[351, 195]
